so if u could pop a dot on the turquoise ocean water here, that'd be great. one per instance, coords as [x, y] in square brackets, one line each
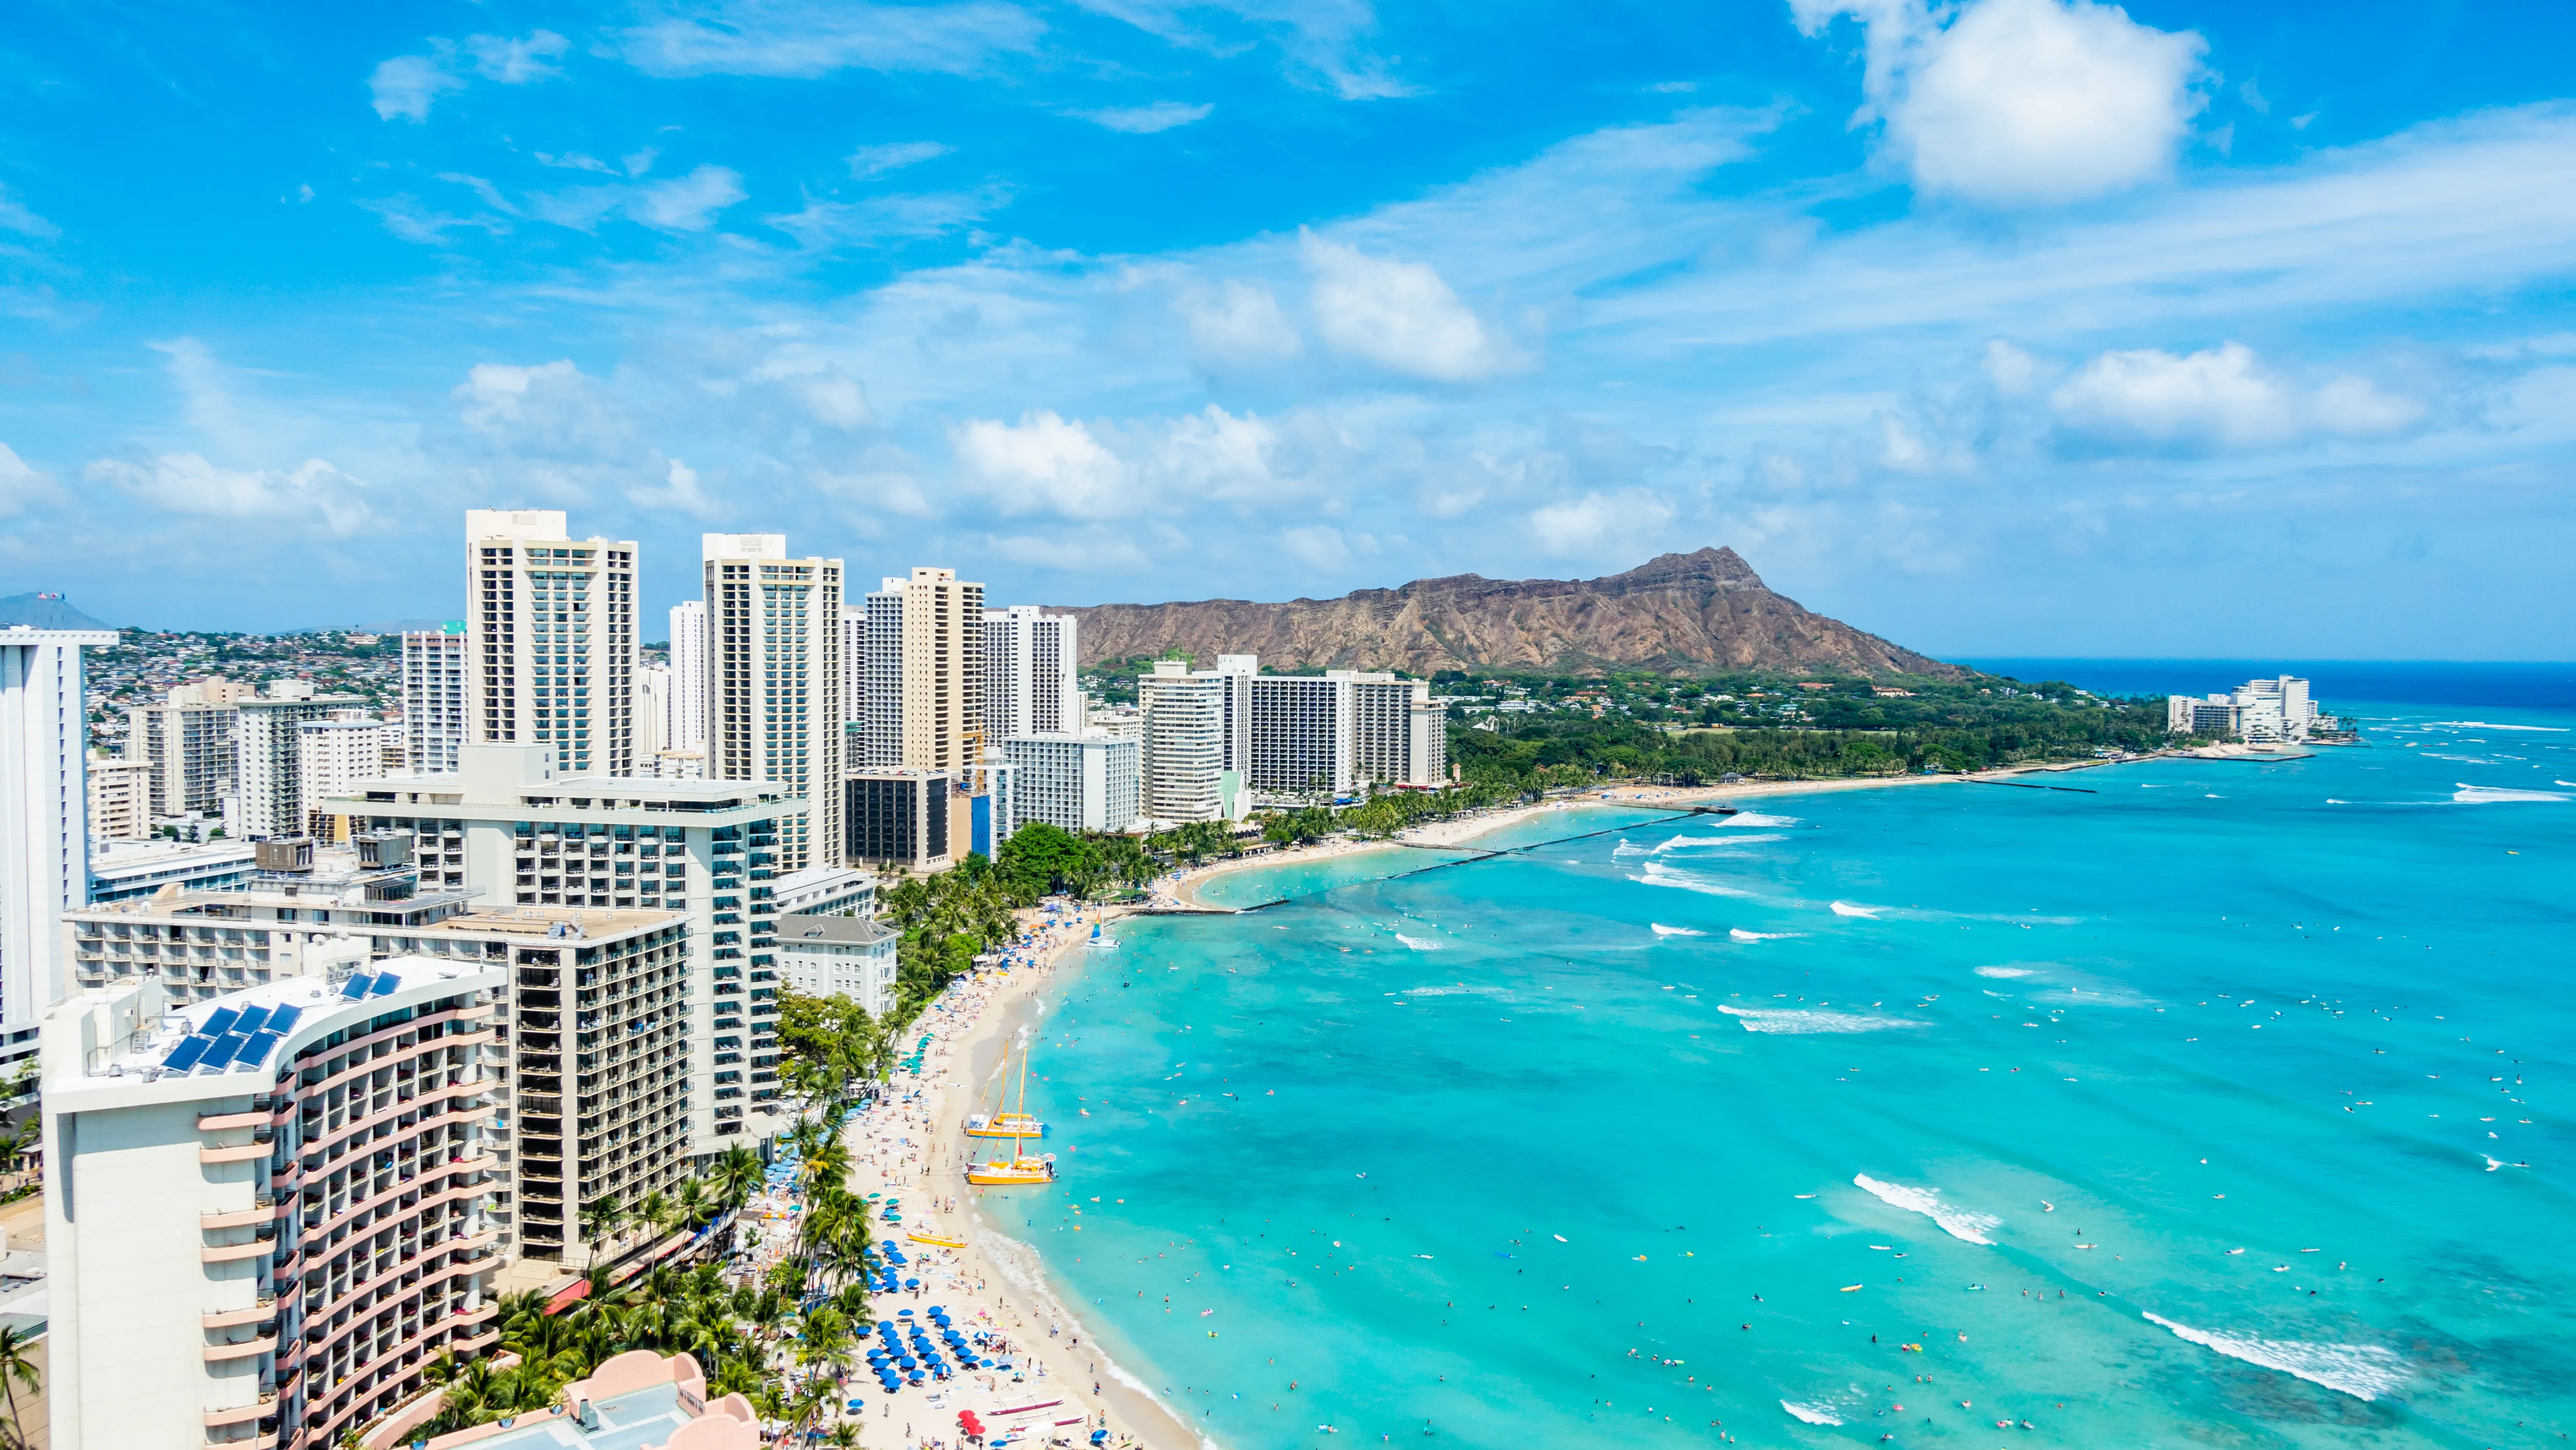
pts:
[1481, 1154]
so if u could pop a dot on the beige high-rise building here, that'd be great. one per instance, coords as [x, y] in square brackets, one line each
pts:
[773, 688]
[943, 671]
[120, 798]
[188, 746]
[550, 639]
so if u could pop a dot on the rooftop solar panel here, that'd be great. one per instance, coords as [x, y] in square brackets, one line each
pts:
[256, 1051]
[386, 985]
[283, 1020]
[189, 1050]
[251, 1020]
[220, 1055]
[356, 986]
[220, 1021]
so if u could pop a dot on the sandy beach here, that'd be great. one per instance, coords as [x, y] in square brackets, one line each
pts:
[911, 1146]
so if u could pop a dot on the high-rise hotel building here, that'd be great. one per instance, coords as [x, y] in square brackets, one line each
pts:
[774, 684]
[1029, 681]
[433, 698]
[550, 630]
[925, 673]
[44, 817]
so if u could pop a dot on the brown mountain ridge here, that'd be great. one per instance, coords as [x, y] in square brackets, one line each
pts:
[1698, 613]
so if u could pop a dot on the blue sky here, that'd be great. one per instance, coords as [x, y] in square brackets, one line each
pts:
[2013, 326]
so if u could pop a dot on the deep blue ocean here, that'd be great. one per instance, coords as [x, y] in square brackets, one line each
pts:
[2198, 1104]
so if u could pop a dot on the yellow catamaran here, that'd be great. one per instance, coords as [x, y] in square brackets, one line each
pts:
[999, 1124]
[1020, 1167]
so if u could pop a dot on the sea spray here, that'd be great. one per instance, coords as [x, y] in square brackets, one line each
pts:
[2363, 1371]
[1958, 1223]
[1798, 1020]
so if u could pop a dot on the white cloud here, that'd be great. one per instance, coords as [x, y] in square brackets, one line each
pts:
[687, 203]
[809, 38]
[679, 494]
[1045, 465]
[2013, 371]
[1214, 454]
[517, 61]
[1145, 120]
[15, 216]
[551, 410]
[1319, 546]
[22, 487]
[186, 483]
[1236, 324]
[1091, 551]
[407, 85]
[870, 161]
[2218, 399]
[824, 225]
[1321, 40]
[1599, 524]
[1399, 315]
[2023, 101]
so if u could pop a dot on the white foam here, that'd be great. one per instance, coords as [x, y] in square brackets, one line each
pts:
[1958, 1223]
[1865, 913]
[1659, 874]
[2363, 1371]
[2487, 795]
[1663, 930]
[2003, 971]
[1417, 943]
[1019, 1263]
[1812, 1414]
[1740, 934]
[2489, 725]
[1801, 1020]
[1709, 843]
[1758, 820]
[1627, 848]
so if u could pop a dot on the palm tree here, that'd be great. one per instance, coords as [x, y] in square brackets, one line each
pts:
[655, 1211]
[17, 1368]
[736, 1174]
[601, 1221]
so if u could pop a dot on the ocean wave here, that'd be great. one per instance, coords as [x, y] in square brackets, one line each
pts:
[2003, 971]
[1417, 943]
[1659, 874]
[1865, 913]
[2487, 795]
[1958, 1223]
[1021, 1265]
[2363, 1371]
[1663, 930]
[2489, 725]
[1627, 847]
[1698, 843]
[1801, 1020]
[1812, 1414]
[1756, 818]
[1738, 933]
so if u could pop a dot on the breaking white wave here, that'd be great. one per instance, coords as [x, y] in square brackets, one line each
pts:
[2003, 971]
[1740, 934]
[1756, 818]
[1958, 1223]
[2363, 1371]
[1812, 1414]
[1801, 1020]
[1710, 843]
[1659, 874]
[2485, 795]
[1663, 930]
[1629, 848]
[1417, 943]
[2489, 725]
[1865, 913]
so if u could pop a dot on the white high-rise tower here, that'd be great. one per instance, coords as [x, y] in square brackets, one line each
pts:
[44, 816]
[773, 684]
[550, 639]
[688, 724]
[1029, 683]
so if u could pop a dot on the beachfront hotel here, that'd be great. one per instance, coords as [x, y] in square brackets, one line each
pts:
[2262, 711]
[265, 1212]
[839, 956]
[1283, 739]
[773, 684]
[531, 837]
[1196, 745]
[550, 639]
[1030, 687]
[1074, 782]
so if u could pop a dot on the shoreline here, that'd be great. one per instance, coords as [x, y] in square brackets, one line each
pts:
[995, 1281]
[1181, 889]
